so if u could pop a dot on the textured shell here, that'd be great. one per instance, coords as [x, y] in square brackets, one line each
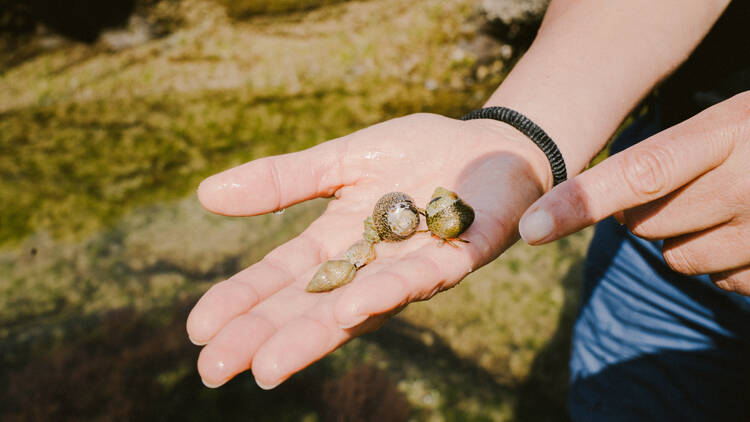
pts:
[448, 215]
[395, 216]
[330, 275]
[360, 254]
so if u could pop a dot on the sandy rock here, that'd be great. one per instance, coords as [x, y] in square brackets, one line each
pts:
[514, 11]
[137, 32]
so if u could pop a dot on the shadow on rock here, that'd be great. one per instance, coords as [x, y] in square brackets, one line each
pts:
[131, 366]
[547, 381]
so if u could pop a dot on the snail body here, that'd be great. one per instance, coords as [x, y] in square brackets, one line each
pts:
[448, 216]
[394, 218]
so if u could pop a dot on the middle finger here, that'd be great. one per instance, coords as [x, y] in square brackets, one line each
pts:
[701, 204]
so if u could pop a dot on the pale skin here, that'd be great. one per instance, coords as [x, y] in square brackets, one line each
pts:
[262, 319]
[688, 185]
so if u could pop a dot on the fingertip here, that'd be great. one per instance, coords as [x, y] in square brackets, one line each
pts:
[213, 370]
[210, 385]
[198, 328]
[537, 227]
[217, 307]
[197, 342]
[225, 194]
[233, 349]
[203, 192]
[294, 347]
[265, 386]
[267, 369]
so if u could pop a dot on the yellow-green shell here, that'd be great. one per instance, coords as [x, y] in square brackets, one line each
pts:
[360, 253]
[447, 215]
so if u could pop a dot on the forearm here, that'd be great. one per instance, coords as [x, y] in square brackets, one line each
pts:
[594, 60]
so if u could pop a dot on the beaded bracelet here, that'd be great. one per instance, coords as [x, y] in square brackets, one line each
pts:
[532, 131]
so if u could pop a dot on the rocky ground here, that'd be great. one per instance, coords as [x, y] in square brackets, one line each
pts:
[104, 247]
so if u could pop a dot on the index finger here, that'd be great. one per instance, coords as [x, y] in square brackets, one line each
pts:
[638, 175]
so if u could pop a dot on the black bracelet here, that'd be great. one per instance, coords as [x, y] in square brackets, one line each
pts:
[530, 129]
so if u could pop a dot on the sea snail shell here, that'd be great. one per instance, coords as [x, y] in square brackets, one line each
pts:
[448, 215]
[360, 254]
[330, 275]
[336, 273]
[395, 217]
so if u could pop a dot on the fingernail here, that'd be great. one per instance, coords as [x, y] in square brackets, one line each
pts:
[197, 343]
[211, 385]
[266, 386]
[536, 226]
[352, 322]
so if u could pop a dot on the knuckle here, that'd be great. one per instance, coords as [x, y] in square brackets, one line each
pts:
[737, 128]
[646, 172]
[731, 283]
[735, 110]
[726, 284]
[643, 229]
[681, 262]
[734, 195]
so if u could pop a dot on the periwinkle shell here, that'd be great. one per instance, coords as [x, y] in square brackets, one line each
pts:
[330, 275]
[395, 216]
[448, 215]
[360, 254]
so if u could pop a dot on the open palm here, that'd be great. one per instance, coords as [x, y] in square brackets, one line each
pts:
[262, 318]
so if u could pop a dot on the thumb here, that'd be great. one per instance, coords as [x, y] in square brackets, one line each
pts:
[273, 183]
[635, 176]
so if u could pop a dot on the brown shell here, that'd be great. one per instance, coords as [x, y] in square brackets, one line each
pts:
[395, 216]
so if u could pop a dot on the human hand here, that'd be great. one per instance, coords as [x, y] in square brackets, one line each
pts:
[263, 319]
[688, 185]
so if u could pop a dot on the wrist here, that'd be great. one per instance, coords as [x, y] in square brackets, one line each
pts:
[572, 136]
[532, 131]
[503, 137]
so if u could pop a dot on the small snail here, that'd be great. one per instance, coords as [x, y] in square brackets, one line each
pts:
[330, 275]
[336, 273]
[394, 218]
[360, 254]
[448, 216]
